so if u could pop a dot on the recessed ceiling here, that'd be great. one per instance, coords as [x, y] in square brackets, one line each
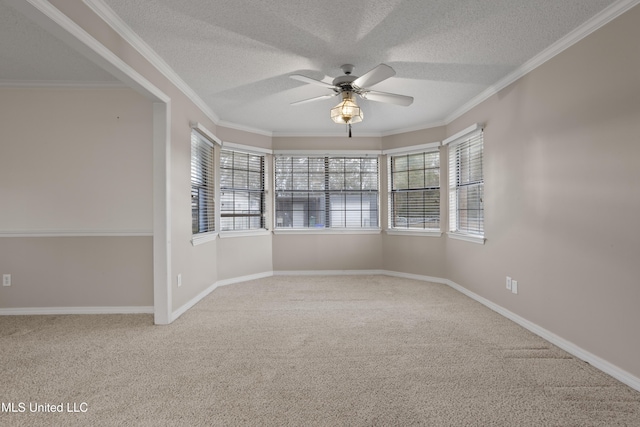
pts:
[237, 55]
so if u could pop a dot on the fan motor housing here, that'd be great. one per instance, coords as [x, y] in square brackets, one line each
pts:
[344, 82]
[340, 80]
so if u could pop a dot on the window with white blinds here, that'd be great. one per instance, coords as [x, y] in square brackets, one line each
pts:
[320, 192]
[202, 185]
[466, 185]
[414, 191]
[242, 191]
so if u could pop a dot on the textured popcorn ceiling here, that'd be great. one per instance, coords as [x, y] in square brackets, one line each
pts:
[29, 54]
[237, 54]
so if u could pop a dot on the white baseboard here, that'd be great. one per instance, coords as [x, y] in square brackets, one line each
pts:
[328, 272]
[415, 277]
[193, 301]
[32, 311]
[240, 279]
[599, 363]
[582, 354]
[606, 367]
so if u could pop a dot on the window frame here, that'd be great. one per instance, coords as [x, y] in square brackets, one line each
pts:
[207, 140]
[326, 192]
[429, 148]
[467, 136]
[251, 151]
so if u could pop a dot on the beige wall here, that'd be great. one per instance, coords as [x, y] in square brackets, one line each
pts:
[244, 256]
[409, 254]
[75, 159]
[299, 252]
[75, 163]
[413, 254]
[562, 199]
[196, 264]
[294, 252]
[407, 139]
[424, 256]
[326, 143]
[561, 196]
[77, 272]
[243, 137]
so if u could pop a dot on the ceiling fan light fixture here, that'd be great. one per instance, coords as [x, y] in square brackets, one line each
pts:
[347, 112]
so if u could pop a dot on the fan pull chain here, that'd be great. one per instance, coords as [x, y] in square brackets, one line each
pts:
[349, 130]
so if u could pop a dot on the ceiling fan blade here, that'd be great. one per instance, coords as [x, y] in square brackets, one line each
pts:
[375, 76]
[306, 79]
[317, 98]
[389, 98]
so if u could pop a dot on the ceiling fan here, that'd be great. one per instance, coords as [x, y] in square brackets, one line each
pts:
[348, 112]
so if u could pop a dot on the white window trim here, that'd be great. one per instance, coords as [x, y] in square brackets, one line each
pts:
[244, 233]
[247, 149]
[199, 239]
[324, 231]
[413, 232]
[431, 146]
[467, 237]
[413, 149]
[467, 133]
[464, 134]
[330, 153]
[206, 133]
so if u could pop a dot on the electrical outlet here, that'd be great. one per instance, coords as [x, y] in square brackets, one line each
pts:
[179, 280]
[514, 286]
[6, 280]
[509, 283]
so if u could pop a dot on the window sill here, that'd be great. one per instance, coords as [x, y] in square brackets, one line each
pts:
[409, 232]
[328, 231]
[244, 233]
[467, 237]
[199, 239]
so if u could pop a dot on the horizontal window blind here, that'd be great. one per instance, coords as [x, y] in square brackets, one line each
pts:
[466, 186]
[242, 191]
[326, 192]
[414, 196]
[202, 185]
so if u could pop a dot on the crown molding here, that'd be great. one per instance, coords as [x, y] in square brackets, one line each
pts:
[53, 20]
[415, 128]
[111, 18]
[324, 134]
[230, 125]
[607, 15]
[124, 31]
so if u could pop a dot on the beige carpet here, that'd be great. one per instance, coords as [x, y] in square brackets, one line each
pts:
[304, 351]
